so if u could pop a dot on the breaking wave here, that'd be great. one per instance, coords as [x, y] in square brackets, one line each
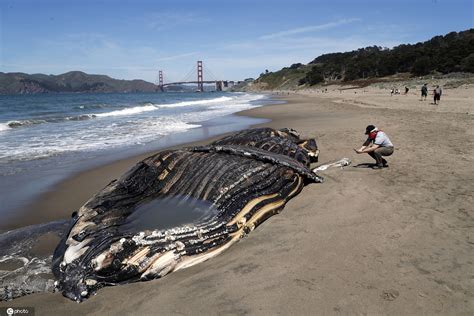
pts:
[129, 111]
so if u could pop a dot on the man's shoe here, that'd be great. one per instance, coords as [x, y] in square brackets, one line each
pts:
[377, 167]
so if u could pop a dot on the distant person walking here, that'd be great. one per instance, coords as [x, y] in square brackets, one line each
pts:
[377, 145]
[437, 94]
[424, 92]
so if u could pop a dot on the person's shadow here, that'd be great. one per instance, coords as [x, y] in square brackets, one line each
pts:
[364, 165]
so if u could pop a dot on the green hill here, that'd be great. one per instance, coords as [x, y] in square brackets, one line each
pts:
[453, 52]
[73, 81]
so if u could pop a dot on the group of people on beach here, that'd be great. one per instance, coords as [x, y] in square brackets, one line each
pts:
[424, 93]
[396, 91]
[436, 93]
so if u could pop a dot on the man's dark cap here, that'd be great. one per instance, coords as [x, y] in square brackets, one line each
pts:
[368, 129]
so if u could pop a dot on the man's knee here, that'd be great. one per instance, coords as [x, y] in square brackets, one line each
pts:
[379, 152]
[387, 151]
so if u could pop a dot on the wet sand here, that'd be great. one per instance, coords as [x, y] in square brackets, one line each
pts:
[393, 241]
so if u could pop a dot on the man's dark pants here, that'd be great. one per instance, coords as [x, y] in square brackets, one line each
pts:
[379, 152]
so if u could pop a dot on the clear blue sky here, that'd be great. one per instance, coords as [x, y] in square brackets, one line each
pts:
[235, 39]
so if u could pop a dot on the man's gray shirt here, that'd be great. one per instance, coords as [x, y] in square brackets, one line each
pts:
[382, 140]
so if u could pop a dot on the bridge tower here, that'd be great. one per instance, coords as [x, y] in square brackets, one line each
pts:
[160, 79]
[200, 80]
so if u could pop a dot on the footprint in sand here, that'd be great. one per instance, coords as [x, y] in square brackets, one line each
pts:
[390, 295]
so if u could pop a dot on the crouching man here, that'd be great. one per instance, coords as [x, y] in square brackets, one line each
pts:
[377, 145]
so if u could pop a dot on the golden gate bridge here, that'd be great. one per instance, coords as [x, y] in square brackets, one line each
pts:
[195, 76]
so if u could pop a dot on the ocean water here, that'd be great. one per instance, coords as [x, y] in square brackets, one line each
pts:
[44, 138]
[42, 126]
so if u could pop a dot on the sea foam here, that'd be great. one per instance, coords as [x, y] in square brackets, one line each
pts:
[4, 127]
[198, 102]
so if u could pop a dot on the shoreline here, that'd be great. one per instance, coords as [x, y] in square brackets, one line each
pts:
[391, 241]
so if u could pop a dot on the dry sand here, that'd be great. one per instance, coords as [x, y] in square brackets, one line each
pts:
[396, 241]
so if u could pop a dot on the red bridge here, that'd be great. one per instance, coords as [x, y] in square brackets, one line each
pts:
[220, 84]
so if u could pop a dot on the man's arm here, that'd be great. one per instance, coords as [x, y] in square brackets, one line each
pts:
[367, 149]
[364, 146]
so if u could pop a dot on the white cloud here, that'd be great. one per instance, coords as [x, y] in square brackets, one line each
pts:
[306, 29]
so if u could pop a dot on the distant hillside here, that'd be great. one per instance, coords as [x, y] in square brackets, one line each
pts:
[453, 52]
[74, 81]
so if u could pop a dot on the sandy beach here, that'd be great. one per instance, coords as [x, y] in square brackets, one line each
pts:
[397, 241]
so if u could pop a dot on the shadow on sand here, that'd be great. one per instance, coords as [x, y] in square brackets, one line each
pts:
[364, 165]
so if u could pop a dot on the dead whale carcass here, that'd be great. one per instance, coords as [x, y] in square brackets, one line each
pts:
[180, 207]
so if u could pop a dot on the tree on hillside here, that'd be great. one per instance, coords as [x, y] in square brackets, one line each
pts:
[443, 54]
[421, 66]
[467, 64]
[315, 75]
